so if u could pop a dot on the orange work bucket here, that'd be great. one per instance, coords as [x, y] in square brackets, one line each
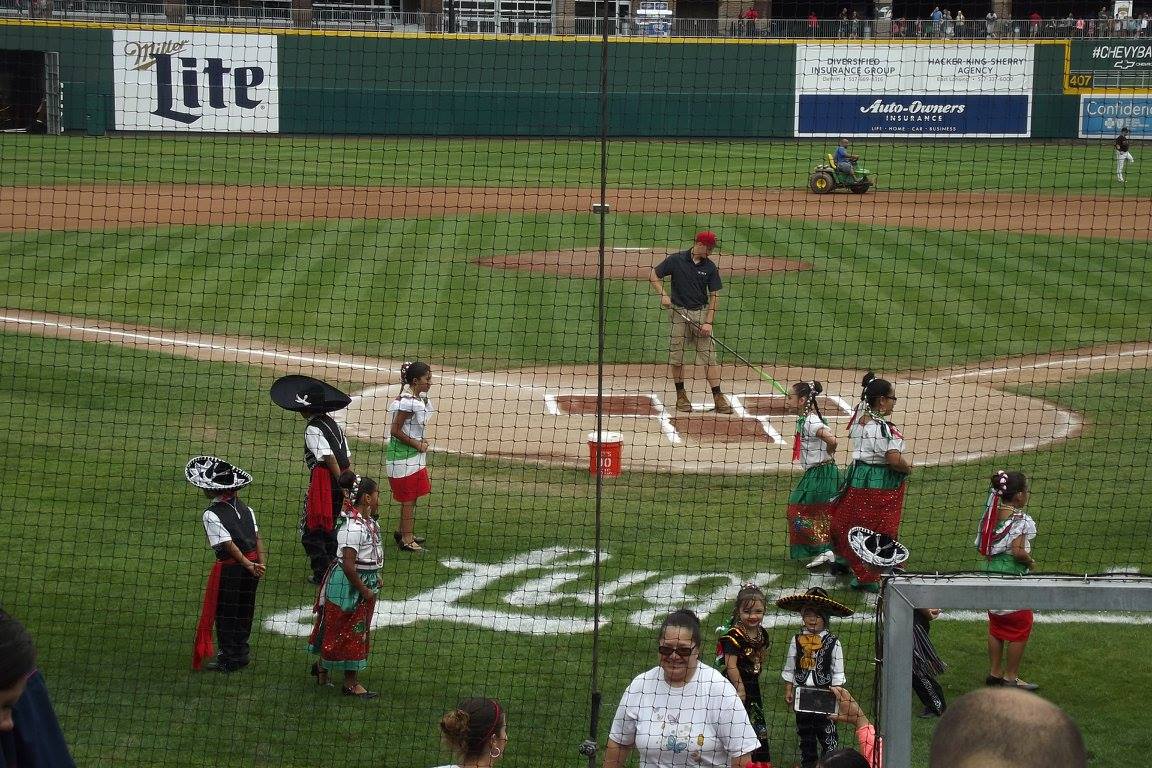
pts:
[604, 452]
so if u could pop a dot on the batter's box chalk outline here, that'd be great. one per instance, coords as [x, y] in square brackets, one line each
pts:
[663, 415]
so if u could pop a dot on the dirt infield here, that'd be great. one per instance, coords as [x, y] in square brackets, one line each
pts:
[120, 206]
[543, 415]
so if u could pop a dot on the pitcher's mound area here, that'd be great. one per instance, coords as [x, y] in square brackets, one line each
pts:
[624, 263]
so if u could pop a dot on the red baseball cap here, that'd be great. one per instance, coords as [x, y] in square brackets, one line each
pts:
[706, 238]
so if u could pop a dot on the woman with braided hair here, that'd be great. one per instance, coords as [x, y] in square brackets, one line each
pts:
[813, 446]
[347, 597]
[407, 453]
[872, 494]
[476, 731]
[1005, 540]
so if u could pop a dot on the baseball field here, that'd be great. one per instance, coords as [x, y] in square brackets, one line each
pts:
[155, 287]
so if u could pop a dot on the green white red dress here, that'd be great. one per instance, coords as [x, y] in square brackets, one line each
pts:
[809, 532]
[871, 496]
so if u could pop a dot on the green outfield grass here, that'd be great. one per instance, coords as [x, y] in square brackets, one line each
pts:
[107, 555]
[113, 592]
[1011, 166]
[891, 298]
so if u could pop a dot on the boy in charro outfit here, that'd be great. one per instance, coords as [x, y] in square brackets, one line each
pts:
[815, 659]
[230, 596]
[326, 455]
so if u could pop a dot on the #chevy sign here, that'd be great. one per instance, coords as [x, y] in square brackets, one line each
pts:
[193, 81]
[914, 90]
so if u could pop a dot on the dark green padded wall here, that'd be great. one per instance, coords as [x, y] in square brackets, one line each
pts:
[528, 87]
[85, 69]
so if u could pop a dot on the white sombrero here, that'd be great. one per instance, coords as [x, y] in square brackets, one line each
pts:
[213, 474]
[878, 549]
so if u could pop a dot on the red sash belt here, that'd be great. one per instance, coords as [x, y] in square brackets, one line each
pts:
[318, 503]
[203, 647]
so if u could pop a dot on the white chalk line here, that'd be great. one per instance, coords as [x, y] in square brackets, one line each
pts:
[1055, 363]
[1070, 422]
[255, 352]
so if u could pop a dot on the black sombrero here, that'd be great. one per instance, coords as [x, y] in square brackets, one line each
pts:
[815, 598]
[878, 549]
[213, 474]
[304, 393]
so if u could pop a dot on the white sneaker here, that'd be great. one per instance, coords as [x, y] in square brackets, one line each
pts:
[1119, 178]
[824, 558]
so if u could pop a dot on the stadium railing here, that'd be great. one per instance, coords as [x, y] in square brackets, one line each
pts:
[279, 13]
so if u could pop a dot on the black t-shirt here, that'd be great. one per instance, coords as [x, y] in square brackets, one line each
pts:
[691, 282]
[1122, 143]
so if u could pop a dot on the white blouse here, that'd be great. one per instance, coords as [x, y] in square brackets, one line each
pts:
[363, 535]
[869, 444]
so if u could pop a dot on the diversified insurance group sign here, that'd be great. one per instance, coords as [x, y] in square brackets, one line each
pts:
[914, 90]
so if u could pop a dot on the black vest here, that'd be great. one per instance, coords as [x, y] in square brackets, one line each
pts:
[821, 674]
[336, 441]
[240, 523]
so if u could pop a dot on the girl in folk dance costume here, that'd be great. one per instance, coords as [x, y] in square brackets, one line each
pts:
[408, 449]
[872, 495]
[1005, 540]
[347, 598]
[740, 656]
[813, 446]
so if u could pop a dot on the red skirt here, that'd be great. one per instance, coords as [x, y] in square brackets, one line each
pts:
[409, 488]
[878, 509]
[1013, 627]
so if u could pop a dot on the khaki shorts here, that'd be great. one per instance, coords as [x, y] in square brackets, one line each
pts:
[684, 334]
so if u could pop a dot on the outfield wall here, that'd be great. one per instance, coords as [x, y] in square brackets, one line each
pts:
[315, 83]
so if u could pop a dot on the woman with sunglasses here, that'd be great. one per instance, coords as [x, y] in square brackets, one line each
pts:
[872, 494]
[681, 706]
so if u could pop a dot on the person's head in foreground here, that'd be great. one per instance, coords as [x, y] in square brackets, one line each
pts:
[476, 731]
[679, 646]
[17, 663]
[1006, 728]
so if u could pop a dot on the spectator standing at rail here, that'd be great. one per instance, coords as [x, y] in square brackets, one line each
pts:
[30, 735]
[997, 727]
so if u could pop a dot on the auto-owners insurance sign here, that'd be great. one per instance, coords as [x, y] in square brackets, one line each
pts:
[194, 81]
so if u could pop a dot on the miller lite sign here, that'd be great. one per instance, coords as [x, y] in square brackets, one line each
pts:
[196, 81]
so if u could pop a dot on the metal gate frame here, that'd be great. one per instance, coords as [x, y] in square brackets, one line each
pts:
[901, 595]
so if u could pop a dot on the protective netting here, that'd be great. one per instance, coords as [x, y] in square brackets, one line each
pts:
[952, 210]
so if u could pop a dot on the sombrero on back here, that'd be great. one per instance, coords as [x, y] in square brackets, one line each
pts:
[878, 549]
[304, 393]
[213, 474]
[815, 598]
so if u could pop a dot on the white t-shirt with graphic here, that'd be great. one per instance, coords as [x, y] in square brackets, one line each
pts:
[702, 723]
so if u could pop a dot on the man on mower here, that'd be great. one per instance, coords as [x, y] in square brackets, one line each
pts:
[845, 163]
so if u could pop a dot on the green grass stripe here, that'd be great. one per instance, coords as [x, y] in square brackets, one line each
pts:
[125, 564]
[1011, 166]
[890, 298]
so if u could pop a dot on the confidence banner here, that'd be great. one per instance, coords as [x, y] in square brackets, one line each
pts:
[195, 81]
[963, 89]
[1104, 116]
